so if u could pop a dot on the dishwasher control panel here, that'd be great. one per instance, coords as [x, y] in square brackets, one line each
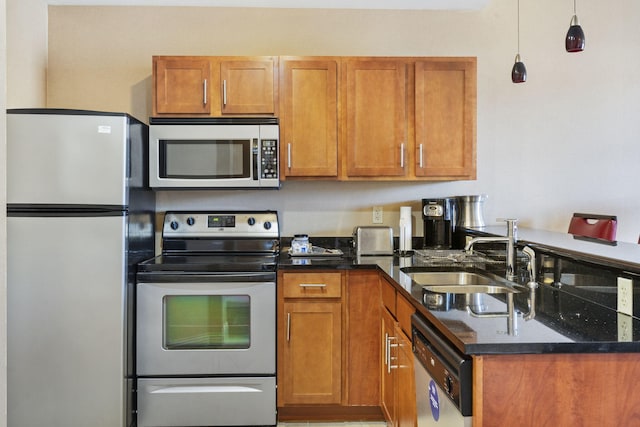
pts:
[450, 369]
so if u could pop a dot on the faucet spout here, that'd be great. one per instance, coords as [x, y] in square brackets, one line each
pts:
[511, 239]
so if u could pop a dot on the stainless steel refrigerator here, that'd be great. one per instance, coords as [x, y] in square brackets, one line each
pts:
[80, 215]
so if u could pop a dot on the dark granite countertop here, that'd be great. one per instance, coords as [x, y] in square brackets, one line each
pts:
[564, 322]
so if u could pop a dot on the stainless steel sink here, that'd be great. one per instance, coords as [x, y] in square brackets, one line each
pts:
[462, 282]
[450, 278]
[472, 289]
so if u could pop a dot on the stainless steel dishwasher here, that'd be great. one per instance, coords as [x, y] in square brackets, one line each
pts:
[443, 378]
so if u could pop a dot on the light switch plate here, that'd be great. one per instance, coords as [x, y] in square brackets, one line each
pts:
[625, 296]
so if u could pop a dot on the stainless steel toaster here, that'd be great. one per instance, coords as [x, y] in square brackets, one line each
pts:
[373, 240]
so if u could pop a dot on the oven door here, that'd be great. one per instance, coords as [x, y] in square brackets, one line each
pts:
[206, 326]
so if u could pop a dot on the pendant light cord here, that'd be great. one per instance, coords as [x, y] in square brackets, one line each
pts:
[519, 25]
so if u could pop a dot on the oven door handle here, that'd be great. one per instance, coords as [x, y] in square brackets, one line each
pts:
[204, 389]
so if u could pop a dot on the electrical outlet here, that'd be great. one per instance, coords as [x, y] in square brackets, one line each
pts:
[625, 296]
[625, 328]
[377, 215]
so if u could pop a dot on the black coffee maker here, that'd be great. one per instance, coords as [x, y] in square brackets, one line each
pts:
[439, 222]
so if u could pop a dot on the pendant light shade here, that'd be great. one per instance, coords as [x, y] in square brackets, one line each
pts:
[574, 42]
[519, 71]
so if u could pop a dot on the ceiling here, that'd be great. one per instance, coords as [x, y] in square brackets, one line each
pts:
[296, 4]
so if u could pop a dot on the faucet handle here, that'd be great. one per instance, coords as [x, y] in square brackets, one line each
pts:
[531, 265]
[512, 226]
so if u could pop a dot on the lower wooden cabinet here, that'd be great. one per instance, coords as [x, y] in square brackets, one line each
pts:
[312, 366]
[398, 398]
[328, 353]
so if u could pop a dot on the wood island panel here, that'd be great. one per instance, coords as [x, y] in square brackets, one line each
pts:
[556, 390]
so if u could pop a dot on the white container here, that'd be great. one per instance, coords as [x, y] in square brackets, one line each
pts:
[404, 244]
[300, 244]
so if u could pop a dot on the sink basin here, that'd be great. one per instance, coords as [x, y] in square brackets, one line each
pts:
[462, 282]
[450, 278]
[472, 289]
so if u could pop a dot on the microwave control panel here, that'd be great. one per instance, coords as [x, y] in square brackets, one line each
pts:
[269, 158]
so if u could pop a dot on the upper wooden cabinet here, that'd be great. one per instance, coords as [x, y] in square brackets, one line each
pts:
[214, 86]
[445, 118]
[341, 118]
[309, 117]
[375, 118]
[180, 85]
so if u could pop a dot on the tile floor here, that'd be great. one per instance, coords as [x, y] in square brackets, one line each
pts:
[326, 424]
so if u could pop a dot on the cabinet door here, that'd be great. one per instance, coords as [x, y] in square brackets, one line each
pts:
[312, 352]
[363, 338]
[309, 121]
[389, 366]
[180, 85]
[445, 122]
[406, 391]
[376, 118]
[247, 86]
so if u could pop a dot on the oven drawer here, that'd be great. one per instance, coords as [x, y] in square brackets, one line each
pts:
[206, 401]
[312, 285]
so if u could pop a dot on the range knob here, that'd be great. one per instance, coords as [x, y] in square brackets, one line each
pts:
[174, 225]
[267, 225]
[251, 221]
[191, 220]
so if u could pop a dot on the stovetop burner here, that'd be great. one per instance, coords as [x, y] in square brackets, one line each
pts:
[217, 241]
[209, 263]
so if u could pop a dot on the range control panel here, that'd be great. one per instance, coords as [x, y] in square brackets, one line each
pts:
[253, 224]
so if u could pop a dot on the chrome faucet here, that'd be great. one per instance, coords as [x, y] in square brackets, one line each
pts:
[510, 274]
[511, 239]
[532, 284]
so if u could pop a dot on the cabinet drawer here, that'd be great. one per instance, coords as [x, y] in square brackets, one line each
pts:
[389, 296]
[312, 285]
[404, 310]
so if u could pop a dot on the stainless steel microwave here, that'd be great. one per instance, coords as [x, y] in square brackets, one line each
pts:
[208, 153]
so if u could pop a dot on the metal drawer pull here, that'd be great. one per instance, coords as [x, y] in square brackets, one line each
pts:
[288, 327]
[204, 92]
[289, 155]
[313, 285]
[389, 357]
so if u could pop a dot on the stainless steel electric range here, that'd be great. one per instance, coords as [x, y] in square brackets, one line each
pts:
[205, 321]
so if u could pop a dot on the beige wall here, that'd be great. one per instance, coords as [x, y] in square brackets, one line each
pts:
[26, 53]
[565, 141]
[3, 216]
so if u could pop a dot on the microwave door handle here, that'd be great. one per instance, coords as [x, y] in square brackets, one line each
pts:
[256, 157]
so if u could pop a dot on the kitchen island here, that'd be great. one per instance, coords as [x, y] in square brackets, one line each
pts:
[572, 364]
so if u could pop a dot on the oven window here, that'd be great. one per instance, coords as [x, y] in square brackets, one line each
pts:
[206, 322]
[208, 159]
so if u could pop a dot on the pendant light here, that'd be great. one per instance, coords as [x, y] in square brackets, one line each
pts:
[519, 71]
[574, 42]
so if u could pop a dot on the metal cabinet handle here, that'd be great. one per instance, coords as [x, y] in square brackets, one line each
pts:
[204, 92]
[288, 327]
[313, 285]
[421, 152]
[390, 358]
[402, 155]
[386, 349]
[224, 93]
[289, 155]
